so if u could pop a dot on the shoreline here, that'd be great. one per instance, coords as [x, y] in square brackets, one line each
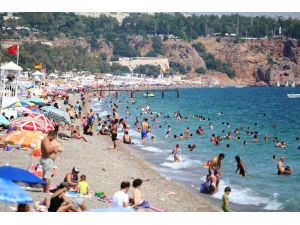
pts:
[106, 169]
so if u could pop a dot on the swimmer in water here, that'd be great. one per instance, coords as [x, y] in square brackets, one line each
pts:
[283, 170]
[191, 147]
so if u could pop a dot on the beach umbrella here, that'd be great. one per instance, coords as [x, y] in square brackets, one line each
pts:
[25, 138]
[24, 104]
[3, 120]
[12, 193]
[28, 123]
[19, 175]
[37, 101]
[42, 118]
[56, 114]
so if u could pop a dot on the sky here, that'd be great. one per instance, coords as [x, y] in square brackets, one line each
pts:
[272, 14]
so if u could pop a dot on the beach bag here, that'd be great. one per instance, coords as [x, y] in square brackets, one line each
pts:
[37, 170]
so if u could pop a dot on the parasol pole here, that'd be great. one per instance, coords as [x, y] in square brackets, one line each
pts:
[18, 50]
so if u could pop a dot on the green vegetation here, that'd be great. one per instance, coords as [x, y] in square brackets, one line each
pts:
[157, 47]
[148, 70]
[62, 59]
[177, 68]
[200, 70]
[212, 63]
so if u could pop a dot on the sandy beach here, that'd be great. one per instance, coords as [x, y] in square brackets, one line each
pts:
[106, 169]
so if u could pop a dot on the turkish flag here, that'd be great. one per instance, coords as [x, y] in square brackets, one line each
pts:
[12, 50]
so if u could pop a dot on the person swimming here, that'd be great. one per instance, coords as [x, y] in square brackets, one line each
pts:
[191, 147]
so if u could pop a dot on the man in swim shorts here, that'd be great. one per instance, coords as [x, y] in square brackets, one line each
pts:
[144, 130]
[49, 149]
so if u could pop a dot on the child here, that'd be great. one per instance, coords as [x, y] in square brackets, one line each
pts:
[83, 186]
[225, 200]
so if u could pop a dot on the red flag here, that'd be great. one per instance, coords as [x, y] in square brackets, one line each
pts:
[12, 50]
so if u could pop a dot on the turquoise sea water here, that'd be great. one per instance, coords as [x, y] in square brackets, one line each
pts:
[242, 107]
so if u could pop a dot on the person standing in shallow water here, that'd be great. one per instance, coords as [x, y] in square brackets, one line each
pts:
[240, 166]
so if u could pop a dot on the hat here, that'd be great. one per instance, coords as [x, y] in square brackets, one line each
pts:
[76, 169]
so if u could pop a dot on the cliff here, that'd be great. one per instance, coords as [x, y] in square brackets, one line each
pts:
[258, 62]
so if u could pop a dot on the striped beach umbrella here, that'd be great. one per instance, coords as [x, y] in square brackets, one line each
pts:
[24, 104]
[27, 123]
[36, 100]
[42, 118]
[56, 114]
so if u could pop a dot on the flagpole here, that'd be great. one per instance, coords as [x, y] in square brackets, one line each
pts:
[18, 48]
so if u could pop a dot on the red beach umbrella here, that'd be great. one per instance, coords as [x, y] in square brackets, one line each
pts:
[42, 118]
[26, 123]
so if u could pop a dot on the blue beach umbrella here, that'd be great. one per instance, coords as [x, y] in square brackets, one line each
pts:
[3, 120]
[37, 101]
[19, 175]
[12, 193]
[56, 114]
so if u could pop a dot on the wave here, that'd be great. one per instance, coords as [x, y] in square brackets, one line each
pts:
[184, 162]
[247, 196]
[151, 149]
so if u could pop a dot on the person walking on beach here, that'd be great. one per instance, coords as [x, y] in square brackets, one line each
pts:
[225, 200]
[114, 132]
[49, 149]
[240, 166]
[120, 198]
[144, 130]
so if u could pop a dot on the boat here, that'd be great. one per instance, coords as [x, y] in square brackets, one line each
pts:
[149, 95]
[293, 95]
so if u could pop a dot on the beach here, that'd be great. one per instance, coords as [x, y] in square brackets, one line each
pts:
[106, 169]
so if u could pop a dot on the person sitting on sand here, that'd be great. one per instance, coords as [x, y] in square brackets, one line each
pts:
[83, 186]
[120, 198]
[23, 208]
[76, 134]
[72, 179]
[127, 138]
[283, 170]
[240, 166]
[58, 198]
[176, 152]
[103, 130]
[137, 195]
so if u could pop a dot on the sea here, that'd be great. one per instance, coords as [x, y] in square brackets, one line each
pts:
[266, 110]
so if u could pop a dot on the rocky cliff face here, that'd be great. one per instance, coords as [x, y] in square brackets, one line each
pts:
[259, 62]
[183, 53]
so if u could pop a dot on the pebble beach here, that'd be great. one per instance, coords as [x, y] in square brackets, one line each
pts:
[106, 168]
